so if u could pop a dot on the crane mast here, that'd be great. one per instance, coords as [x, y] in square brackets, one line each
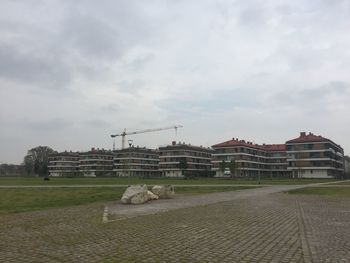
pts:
[124, 133]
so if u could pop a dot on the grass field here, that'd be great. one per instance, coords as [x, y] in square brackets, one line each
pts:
[338, 192]
[126, 181]
[28, 199]
[20, 200]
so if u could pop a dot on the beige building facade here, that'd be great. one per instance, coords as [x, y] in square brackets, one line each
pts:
[180, 160]
[136, 162]
[251, 160]
[64, 164]
[313, 156]
[92, 163]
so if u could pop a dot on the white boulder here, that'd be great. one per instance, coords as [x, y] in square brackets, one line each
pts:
[152, 196]
[135, 194]
[163, 191]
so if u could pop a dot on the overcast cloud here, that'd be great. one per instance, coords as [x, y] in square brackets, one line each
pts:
[73, 72]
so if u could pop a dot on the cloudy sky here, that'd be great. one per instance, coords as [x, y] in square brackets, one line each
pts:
[73, 72]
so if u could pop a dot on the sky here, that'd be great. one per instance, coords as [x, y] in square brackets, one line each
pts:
[74, 72]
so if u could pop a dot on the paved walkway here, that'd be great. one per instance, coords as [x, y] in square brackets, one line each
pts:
[118, 211]
[256, 225]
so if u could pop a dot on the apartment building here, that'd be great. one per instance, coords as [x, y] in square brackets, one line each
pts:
[96, 162]
[136, 161]
[308, 156]
[313, 156]
[180, 159]
[347, 166]
[276, 160]
[64, 164]
[251, 159]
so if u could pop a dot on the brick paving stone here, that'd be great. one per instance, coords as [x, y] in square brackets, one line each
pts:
[327, 227]
[269, 228]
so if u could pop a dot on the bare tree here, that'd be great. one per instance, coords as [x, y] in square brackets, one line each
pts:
[37, 160]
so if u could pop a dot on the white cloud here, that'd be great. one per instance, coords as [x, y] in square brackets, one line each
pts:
[71, 73]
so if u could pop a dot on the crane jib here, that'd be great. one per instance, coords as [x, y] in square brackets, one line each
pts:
[143, 131]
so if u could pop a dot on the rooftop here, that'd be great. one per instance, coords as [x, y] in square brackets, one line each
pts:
[137, 149]
[237, 142]
[65, 153]
[97, 151]
[310, 138]
[264, 147]
[274, 147]
[183, 145]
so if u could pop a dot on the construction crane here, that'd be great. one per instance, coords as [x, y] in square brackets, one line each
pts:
[124, 133]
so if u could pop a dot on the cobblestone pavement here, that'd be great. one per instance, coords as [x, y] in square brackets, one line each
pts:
[327, 228]
[117, 210]
[274, 227]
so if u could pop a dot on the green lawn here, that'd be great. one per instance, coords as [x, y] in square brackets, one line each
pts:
[27, 199]
[126, 181]
[338, 192]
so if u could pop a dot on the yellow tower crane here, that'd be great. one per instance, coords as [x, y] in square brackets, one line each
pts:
[124, 133]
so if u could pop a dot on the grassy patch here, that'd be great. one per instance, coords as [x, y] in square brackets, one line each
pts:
[341, 192]
[344, 182]
[126, 181]
[28, 199]
[20, 200]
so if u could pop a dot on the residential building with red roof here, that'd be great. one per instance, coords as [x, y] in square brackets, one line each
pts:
[313, 156]
[276, 160]
[251, 160]
[308, 156]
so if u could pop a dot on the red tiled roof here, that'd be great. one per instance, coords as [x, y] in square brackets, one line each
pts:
[236, 142]
[264, 147]
[309, 138]
[274, 147]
